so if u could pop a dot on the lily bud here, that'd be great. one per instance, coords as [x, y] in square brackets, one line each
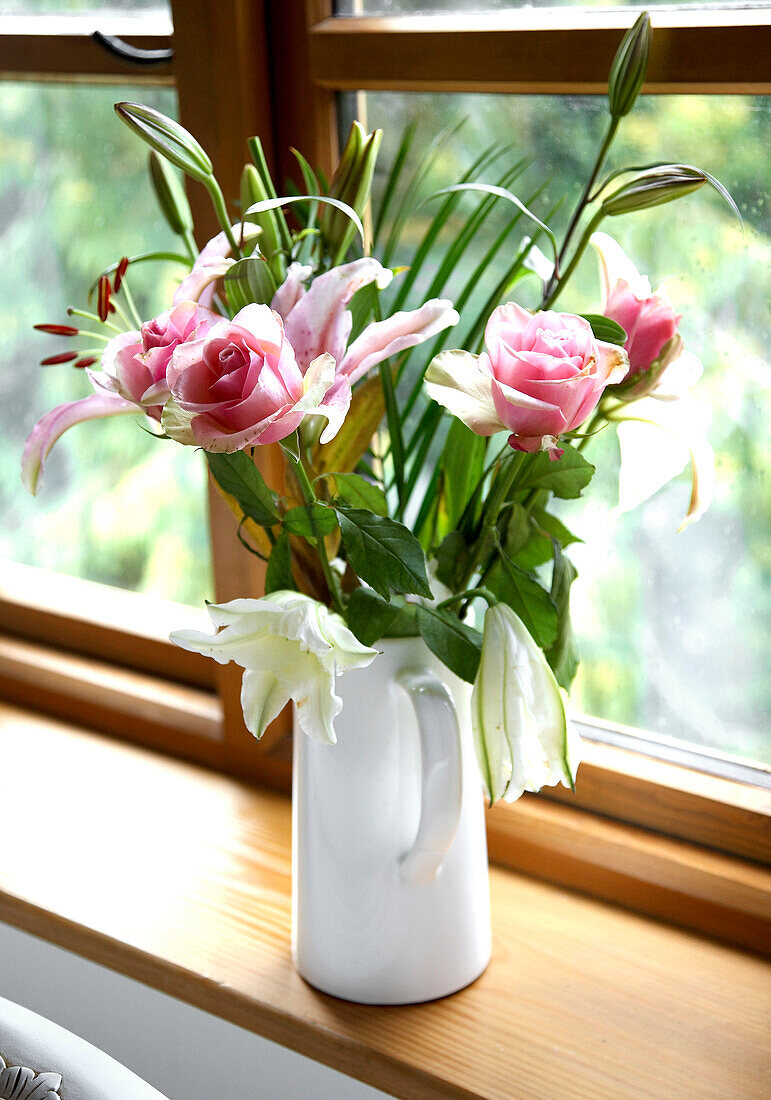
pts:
[629, 67]
[351, 184]
[168, 138]
[170, 195]
[253, 191]
[653, 188]
[522, 735]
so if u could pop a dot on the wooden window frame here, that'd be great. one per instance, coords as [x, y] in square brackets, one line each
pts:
[231, 63]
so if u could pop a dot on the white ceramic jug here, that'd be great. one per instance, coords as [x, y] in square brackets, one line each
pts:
[390, 883]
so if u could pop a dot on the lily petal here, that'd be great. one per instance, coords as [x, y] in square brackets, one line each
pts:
[615, 265]
[320, 321]
[262, 700]
[523, 738]
[292, 289]
[55, 423]
[197, 286]
[657, 439]
[291, 647]
[383, 339]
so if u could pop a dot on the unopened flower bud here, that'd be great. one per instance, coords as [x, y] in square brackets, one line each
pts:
[629, 67]
[653, 188]
[351, 184]
[170, 195]
[522, 735]
[252, 192]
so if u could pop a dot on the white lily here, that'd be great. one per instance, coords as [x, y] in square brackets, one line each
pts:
[660, 434]
[522, 734]
[290, 647]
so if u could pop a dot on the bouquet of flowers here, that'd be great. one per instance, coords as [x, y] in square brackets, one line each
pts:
[419, 478]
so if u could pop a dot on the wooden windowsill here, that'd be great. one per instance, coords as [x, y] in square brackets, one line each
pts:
[181, 879]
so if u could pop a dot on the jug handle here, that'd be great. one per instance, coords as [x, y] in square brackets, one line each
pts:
[442, 786]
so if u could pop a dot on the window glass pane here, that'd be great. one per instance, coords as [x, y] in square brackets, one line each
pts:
[86, 7]
[673, 628]
[115, 505]
[464, 7]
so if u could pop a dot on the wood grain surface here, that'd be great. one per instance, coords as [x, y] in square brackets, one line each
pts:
[181, 879]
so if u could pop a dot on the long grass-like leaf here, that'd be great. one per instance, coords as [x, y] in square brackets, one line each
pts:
[312, 187]
[395, 433]
[393, 179]
[503, 193]
[430, 501]
[409, 199]
[431, 420]
[438, 222]
[286, 200]
[139, 258]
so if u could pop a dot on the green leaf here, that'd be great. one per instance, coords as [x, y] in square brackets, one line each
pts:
[369, 616]
[168, 138]
[452, 560]
[237, 475]
[278, 576]
[357, 492]
[503, 193]
[251, 215]
[312, 521]
[565, 477]
[392, 182]
[290, 445]
[462, 463]
[562, 654]
[524, 595]
[605, 329]
[456, 645]
[248, 281]
[394, 432]
[554, 527]
[383, 553]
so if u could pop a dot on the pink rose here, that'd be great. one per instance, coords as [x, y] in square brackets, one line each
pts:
[649, 319]
[241, 385]
[135, 363]
[541, 376]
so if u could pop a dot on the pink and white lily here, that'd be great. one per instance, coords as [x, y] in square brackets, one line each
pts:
[317, 320]
[132, 379]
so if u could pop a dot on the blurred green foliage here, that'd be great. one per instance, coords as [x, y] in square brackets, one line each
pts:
[115, 505]
[673, 629]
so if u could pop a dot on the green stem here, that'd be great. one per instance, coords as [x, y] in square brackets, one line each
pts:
[131, 303]
[549, 302]
[484, 593]
[501, 488]
[309, 496]
[190, 244]
[549, 293]
[122, 313]
[92, 317]
[221, 211]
